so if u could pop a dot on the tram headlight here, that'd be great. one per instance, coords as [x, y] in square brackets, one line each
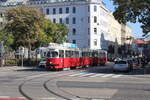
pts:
[50, 62]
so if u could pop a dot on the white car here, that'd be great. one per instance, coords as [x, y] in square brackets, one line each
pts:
[42, 64]
[121, 65]
[117, 59]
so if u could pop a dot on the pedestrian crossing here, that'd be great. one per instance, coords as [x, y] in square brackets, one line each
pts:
[92, 75]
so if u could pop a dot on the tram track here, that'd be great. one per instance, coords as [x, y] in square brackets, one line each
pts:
[44, 85]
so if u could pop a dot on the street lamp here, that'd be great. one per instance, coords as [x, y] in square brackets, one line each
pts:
[2, 53]
[21, 49]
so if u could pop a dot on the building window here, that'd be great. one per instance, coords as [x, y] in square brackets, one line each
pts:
[41, 10]
[54, 20]
[67, 20]
[74, 31]
[47, 11]
[60, 20]
[88, 8]
[95, 42]
[54, 10]
[95, 8]
[74, 41]
[88, 42]
[67, 10]
[89, 31]
[74, 10]
[73, 20]
[88, 19]
[95, 30]
[60, 11]
[95, 19]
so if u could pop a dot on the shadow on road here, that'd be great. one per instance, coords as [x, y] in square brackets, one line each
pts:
[36, 69]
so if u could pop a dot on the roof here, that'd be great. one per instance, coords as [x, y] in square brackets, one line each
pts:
[139, 41]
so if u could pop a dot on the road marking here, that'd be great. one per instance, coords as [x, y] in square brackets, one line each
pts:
[47, 99]
[107, 75]
[4, 97]
[98, 99]
[116, 76]
[21, 97]
[97, 75]
[75, 99]
[88, 74]
[92, 75]
[77, 74]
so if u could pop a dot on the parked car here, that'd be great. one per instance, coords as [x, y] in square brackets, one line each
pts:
[117, 59]
[123, 65]
[42, 63]
[136, 62]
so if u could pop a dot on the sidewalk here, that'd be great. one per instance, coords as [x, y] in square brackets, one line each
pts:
[14, 68]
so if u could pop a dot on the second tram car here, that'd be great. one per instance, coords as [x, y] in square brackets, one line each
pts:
[59, 57]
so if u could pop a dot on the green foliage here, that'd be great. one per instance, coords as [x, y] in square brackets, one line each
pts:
[29, 62]
[56, 32]
[24, 24]
[6, 38]
[11, 62]
[31, 29]
[133, 11]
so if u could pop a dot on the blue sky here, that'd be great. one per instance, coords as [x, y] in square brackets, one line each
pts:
[137, 31]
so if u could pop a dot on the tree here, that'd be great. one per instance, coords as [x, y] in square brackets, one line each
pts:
[56, 32]
[24, 24]
[6, 38]
[31, 29]
[133, 11]
[111, 49]
[59, 33]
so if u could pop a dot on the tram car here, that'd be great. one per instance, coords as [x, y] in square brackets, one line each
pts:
[59, 57]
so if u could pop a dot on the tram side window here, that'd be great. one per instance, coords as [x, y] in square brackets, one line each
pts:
[77, 54]
[45, 53]
[68, 54]
[72, 54]
[101, 55]
[95, 54]
[61, 53]
[83, 54]
[52, 54]
[86, 54]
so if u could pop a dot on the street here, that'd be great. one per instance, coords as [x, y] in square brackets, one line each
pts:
[94, 83]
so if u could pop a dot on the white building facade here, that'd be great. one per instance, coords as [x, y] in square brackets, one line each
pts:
[87, 20]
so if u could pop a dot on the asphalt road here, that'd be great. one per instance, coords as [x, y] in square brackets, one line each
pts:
[94, 83]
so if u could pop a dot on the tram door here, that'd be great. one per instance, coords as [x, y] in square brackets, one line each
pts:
[61, 57]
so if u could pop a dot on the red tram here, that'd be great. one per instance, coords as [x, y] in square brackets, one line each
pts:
[59, 57]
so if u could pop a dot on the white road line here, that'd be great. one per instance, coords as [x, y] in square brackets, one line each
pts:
[116, 76]
[87, 74]
[21, 97]
[107, 75]
[41, 75]
[77, 74]
[47, 98]
[98, 99]
[4, 97]
[96, 75]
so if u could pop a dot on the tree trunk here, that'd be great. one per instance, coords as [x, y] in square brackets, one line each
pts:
[29, 54]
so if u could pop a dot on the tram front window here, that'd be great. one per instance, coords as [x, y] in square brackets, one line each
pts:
[52, 54]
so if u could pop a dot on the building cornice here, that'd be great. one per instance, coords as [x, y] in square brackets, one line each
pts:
[64, 4]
